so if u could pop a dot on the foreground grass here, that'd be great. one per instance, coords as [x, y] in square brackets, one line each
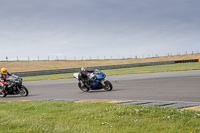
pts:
[62, 116]
[122, 71]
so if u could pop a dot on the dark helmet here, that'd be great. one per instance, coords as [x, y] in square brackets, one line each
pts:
[84, 70]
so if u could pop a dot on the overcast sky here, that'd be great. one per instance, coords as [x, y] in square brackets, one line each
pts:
[117, 28]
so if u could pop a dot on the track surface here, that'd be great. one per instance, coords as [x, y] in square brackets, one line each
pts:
[166, 86]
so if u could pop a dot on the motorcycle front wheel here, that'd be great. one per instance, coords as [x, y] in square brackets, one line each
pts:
[23, 91]
[108, 86]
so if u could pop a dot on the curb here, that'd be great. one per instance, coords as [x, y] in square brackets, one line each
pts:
[171, 104]
[195, 106]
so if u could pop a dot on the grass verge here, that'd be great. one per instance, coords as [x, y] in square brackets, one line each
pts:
[123, 71]
[64, 116]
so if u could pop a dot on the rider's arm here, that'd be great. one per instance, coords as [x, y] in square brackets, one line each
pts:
[9, 74]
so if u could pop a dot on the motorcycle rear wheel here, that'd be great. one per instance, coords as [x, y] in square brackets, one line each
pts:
[108, 86]
[23, 91]
[84, 89]
[2, 93]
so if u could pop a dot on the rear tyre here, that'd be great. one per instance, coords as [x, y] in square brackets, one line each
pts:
[108, 86]
[2, 93]
[23, 91]
[84, 89]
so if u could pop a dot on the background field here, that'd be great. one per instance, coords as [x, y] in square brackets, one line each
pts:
[18, 66]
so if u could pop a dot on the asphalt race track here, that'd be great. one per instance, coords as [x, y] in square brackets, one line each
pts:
[167, 86]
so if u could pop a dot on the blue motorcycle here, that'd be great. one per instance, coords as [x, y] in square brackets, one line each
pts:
[96, 81]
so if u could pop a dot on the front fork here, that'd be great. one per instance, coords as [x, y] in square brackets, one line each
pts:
[103, 83]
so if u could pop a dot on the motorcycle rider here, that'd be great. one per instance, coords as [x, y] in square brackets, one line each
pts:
[83, 76]
[3, 76]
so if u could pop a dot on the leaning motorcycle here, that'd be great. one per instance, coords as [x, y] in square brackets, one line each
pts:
[96, 81]
[15, 87]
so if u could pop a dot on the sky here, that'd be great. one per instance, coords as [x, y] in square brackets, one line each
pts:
[103, 29]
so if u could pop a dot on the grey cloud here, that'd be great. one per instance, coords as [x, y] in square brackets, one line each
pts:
[93, 27]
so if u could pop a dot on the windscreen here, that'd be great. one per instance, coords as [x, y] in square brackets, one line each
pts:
[96, 71]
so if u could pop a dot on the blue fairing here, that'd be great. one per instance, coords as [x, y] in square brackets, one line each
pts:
[96, 84]
[99, 76]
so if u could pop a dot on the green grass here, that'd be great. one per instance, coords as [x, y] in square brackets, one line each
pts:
[49, 77]
[122, 71]
[63, 116]
[153, 69]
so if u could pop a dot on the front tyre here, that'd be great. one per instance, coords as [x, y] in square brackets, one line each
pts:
[23, 91]
[107, 86]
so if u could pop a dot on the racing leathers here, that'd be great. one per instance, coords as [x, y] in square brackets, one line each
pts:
[84, 78]
[3, 80]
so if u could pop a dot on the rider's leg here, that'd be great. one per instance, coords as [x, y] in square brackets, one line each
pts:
[2, 87]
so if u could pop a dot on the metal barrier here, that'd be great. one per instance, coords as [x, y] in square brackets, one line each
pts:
[187, 61]
[71, 70]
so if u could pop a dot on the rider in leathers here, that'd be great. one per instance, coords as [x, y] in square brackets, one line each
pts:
[3, 76]
[83, 76]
